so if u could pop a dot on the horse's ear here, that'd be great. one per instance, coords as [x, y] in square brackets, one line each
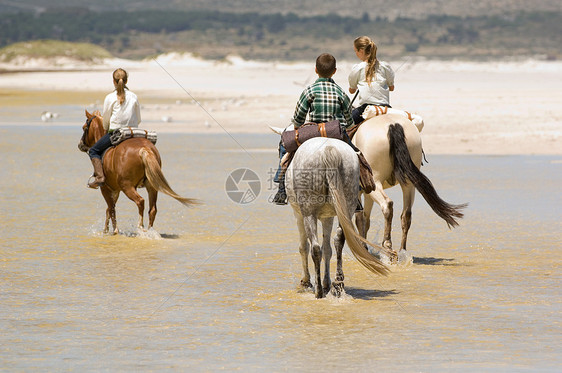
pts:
[88, 115]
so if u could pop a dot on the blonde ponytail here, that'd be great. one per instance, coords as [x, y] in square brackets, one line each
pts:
[365, 43]
[120, 82]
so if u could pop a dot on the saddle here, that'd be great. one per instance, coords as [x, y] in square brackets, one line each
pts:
[122, 134]
[366, 174]
[293, 139]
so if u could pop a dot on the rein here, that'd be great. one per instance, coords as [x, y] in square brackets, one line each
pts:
[82, 145]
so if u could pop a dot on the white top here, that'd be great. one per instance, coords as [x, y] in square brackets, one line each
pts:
[116, 115]
[377, 92]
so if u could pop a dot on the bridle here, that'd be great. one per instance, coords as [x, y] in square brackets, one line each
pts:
[82, 144]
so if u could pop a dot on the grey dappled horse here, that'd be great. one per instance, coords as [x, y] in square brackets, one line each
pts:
[392, 146]
[322, 181]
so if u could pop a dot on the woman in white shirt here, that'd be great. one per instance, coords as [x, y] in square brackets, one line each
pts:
[121, 108]
[373, 78]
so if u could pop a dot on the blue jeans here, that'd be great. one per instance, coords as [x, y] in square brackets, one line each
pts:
[282, 152]
[99, 147]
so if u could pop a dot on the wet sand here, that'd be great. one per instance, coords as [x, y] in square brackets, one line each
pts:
[216, 287]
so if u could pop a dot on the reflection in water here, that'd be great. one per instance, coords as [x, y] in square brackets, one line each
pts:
[216, 287]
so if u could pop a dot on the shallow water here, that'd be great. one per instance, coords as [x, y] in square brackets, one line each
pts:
[216, 286]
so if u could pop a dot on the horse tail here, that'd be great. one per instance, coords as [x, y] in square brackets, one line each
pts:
[405, 170]
[156, 177]
[332, 160]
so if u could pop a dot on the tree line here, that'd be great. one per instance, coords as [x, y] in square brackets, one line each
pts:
[118, 31]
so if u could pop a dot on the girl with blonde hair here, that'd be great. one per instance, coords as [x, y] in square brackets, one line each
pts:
[373, 78]
[121, 108]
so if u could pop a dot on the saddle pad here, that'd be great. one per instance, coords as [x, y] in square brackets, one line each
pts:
[293, 139]
[374, 110]
[123, 134]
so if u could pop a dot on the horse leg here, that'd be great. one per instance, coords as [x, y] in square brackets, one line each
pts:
[310, 227]
[152, 197]
[134, 196]
[339, 241]
[327, 224]
[363, 218]
[360, 220]
[303, 249]
[110, 199]
[408, 195]
[387, 208]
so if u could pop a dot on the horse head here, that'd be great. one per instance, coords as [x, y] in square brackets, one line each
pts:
[92, 131]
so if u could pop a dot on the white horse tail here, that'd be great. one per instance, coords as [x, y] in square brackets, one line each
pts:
[156, 177]
[332, 160]
[405, 170]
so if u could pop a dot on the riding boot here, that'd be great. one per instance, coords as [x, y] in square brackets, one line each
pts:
[281, 196]
[99, 179]
[365, 174]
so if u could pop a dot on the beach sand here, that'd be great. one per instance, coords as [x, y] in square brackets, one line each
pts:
[504, 107]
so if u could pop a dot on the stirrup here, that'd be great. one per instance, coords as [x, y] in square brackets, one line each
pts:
[92, 184]
[359, 206]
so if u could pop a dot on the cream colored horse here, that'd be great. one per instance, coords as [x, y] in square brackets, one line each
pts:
[392, 145]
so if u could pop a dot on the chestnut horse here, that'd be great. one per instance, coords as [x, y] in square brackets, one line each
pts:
[132, 164]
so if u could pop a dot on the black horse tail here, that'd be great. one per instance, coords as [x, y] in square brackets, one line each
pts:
[406, 171]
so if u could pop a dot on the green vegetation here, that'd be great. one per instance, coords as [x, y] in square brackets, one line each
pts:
[53, 48]
[213, 34]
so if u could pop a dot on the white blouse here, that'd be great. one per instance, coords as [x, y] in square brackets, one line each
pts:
[377, 92]
[116, 115]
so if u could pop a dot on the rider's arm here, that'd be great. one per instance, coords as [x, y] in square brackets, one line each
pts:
[346, 109]
[301, 110]
[353, 78]
[389, 75]
[107, 111]
[137, 112]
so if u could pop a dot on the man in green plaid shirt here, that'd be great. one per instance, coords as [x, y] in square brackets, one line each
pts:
[323, 100]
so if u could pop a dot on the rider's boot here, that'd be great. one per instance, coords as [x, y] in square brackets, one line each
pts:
[99, 179]
[281, 196]
[365, 174]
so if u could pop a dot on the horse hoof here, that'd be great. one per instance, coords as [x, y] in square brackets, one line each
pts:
[306, 284]
[337, 289]
[319, 292]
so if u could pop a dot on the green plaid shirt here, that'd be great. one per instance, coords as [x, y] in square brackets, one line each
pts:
[323, 100]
